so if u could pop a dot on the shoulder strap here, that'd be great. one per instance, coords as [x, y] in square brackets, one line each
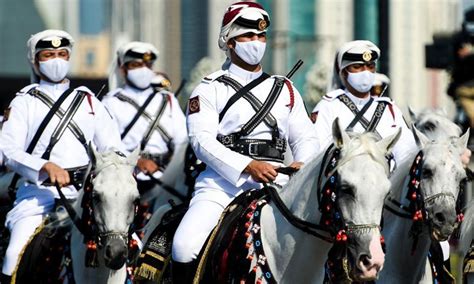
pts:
[133, 103]
[47, 119]
[260, 115]
[137, 115]
[39, 132]
[377, 116]
[64, 121]
[254, 102]
[155, 124]
[242, 92]
[72, 126]
[358, 114]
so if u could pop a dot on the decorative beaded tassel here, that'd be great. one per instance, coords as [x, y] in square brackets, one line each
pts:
[92, 259]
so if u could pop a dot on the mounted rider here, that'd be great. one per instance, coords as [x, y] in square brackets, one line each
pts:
[350, 100]
[241, 138]
[146, 118]
[45, 138]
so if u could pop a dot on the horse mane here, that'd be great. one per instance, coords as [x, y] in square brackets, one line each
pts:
[467, 227]
[436, 125]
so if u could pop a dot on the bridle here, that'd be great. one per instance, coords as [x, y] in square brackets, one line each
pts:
[417, 210]
[332, 227]
[86, 224]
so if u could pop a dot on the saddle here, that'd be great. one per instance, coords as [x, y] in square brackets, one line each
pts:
[153, 261]
[224, 256]
[45, 256]
[215, 265]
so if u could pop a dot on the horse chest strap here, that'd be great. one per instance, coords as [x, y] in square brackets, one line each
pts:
[255, 244]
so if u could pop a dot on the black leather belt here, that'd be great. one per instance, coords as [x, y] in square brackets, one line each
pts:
[161, 160]
[258, 149]
[77, 176]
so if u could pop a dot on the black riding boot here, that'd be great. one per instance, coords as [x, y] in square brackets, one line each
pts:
[183, 273]
[5, 279]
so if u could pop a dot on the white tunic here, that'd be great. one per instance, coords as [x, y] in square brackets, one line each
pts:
[26, 115]
[224, 166]
[331, 107]
[172, 121]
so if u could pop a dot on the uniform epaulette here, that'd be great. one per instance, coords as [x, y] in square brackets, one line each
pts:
[333, 94]
[211, 77]
[26, 89]
[113, 92]
[85, 90]
[383, 99]
[282, 77]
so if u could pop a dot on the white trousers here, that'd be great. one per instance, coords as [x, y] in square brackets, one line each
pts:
[204, 212]
[19, 235]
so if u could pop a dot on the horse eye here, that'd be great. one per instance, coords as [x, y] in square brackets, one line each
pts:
[96, 197]
[427, 173]
[347, 189]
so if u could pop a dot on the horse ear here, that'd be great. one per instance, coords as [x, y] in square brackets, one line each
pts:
[464, 139]
[389, 142]
[412, 113]
[339, 135]
[133, 157]
[93, 155]
[420, 138]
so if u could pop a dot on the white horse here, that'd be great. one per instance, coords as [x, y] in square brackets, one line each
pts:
[294, 256]
[114, 197]
[441, 173]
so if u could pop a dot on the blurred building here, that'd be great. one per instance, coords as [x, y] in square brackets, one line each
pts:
[185, 31]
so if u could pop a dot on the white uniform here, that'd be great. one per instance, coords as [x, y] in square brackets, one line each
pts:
[223, 178]
[331, 107]
[172, 121]
[26, 114]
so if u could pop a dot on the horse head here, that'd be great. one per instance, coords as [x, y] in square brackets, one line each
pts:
[362, 187]
[113, 199]
[441, 174]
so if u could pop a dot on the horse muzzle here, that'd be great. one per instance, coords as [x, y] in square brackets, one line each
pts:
[367, 257]
[442, 218]
[115, 252]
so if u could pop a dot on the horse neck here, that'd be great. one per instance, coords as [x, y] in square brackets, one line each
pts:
[300, 195]
[400, 263]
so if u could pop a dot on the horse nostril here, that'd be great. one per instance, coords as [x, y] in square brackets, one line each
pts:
[365, 259]
[440, 217]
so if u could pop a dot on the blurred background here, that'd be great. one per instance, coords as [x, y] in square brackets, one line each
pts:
[185, 32]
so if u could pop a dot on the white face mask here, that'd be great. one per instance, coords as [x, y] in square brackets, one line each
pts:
[250, 51]
[140, 77]
[361, 81]
[54, 69]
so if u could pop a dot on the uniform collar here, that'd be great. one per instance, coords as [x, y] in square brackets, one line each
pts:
[54, 88]
[356, 100]
[244, 74]
[137, 92]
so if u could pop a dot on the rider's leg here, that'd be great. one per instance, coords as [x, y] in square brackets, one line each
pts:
[202, 216]
[21, 232]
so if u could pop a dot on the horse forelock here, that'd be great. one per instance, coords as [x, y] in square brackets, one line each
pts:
[361, 144]
[436, 125]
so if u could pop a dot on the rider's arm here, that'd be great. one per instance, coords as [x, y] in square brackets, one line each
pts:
[180, 134]
[323, 124]
[406, 144]
[106, 133]
[15, 138]
[203, 123]
[301, 135]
